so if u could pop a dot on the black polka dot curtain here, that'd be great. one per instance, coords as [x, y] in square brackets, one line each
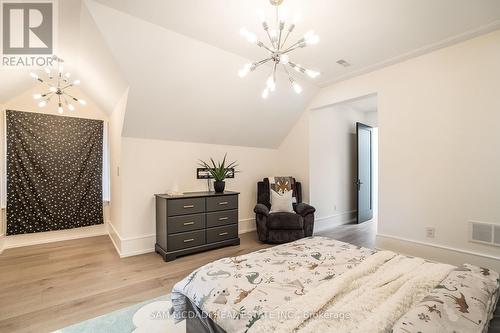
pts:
[54, 172]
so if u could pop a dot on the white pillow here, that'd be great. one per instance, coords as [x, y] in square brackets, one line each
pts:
[281, 202]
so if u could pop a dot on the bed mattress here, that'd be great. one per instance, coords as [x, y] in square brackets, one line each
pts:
[320, 284]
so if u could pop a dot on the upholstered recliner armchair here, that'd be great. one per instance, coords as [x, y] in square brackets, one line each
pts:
[282, 227]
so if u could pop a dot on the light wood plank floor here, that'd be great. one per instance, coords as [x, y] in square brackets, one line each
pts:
[50, 286]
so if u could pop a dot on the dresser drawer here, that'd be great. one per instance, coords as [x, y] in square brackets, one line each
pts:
[222, 233]
[222, 203]
[217, 219]
[185, 240]
[185, 206]
[185, 223]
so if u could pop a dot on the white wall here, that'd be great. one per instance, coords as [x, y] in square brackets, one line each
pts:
[332, 142]
[115, 146]
[293, 154]
[25, 102]
[439, 138]
[157, 166]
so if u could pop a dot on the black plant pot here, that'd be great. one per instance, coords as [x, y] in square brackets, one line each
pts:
[219, 186]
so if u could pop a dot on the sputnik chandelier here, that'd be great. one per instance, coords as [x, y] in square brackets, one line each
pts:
[58, 84]
[278, 51]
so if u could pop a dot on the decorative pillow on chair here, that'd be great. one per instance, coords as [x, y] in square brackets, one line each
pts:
[282, 202]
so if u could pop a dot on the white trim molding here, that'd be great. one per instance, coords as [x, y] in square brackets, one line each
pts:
[246, 225]
[436, 252]
[331, 221]
[131, 246]
[53, 236]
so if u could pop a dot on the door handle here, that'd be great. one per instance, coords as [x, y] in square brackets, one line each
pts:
[188, 223]
[188, 206]
[223, 203]
[223, 218]
[223, 233]
[189, 240]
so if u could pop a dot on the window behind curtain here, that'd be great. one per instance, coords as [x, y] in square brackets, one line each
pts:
[54, 172]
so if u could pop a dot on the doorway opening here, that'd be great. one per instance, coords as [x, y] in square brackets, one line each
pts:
[341, 195]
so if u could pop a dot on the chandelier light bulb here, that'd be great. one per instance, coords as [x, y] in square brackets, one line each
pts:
[279, 47]
[312, 74]
[271, 83]
[311, 38]
[282, 16]
[60, 109]
[33, 75]
[37, 96]
[67, 75]
[53, 89]
[284, 59]
[76, 82]
[265, 93]
[296, 87]
[245, 70]
[61, 69]
[42, 103]
[296, 18]
[71, 107]
[261, 15]
[82, 102]
[250, 37]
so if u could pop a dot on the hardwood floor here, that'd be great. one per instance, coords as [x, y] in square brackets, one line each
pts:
[50, 286]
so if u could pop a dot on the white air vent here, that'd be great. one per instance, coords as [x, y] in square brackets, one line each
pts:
[344, 63]
[485, 233]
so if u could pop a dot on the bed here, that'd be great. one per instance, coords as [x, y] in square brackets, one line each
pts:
[320, 284]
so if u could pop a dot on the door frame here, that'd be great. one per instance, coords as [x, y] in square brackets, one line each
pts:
[370, 129]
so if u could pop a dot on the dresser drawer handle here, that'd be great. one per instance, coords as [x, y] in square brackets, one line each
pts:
[189, 240]
[223, 234]
[189, 206]
[223, 203]
[188, 223]
[223, 218]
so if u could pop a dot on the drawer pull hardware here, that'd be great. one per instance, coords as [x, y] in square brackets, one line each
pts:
[223, 203]
[223, 234]
[189, 206]
[189, 240]
[188, 223]
[223, 218]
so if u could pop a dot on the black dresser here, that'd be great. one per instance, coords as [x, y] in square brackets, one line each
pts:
[195, 222]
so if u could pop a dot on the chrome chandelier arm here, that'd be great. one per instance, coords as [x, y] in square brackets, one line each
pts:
[278, 51]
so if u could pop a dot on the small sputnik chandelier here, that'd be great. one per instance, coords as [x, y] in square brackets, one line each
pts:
[278, 52]
[58, 85]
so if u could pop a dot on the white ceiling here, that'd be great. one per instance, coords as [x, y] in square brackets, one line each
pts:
[180, 58]
[367, 34]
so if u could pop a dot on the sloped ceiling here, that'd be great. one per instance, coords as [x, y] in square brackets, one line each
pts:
[368, 34]
[86, 56]
[180, 58]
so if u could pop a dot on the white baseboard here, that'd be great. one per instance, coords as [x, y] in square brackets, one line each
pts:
[436, 252]
[328, 222]
[246, 225]
[131, 246]
[2, 243]
[53, 236]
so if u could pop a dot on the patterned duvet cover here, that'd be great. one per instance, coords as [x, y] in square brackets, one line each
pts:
[242, 293]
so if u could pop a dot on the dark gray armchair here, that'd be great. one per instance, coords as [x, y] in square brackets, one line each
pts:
[282, 227]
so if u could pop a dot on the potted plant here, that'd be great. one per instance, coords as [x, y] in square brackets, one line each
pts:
[219, 171]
